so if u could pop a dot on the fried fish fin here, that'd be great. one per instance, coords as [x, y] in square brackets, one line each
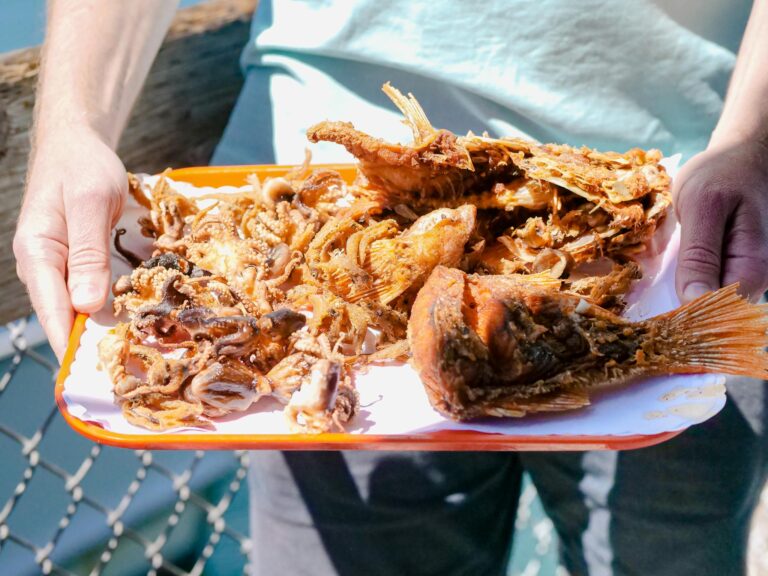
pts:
[718, 332]
[386, 292]
[540, 279]
[416, 119]
[391, 277]
[552, 402]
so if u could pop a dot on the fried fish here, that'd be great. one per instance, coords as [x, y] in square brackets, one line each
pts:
[501, 346]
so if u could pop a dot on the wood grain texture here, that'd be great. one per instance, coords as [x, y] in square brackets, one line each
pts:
[177, 121]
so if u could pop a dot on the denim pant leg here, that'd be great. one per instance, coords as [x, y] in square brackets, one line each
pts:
[382, 513]
[682, 507]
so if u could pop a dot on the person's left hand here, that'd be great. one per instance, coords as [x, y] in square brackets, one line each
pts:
[721, 201]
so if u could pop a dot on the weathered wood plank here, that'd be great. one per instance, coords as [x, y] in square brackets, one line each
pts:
[177, 121]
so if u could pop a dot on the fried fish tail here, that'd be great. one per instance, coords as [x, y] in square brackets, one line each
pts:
[718, 332]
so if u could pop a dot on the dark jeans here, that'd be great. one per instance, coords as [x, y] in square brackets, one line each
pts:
[682, 507]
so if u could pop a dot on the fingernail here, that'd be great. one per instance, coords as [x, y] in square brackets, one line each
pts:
[84, 295]
[694, 290]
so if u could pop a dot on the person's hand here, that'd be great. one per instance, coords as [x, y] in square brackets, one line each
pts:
[721, 201]
[76, 189]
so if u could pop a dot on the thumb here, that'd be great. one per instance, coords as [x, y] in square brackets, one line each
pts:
[745, 249]
[701, 243]
[88, 262]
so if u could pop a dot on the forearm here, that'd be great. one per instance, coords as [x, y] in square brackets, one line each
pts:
[745, 114]
[96, 57]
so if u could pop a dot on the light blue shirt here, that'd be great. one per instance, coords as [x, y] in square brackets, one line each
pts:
[608, 74]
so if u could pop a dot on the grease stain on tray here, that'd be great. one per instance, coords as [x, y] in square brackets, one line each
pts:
[690, 393]
[694, 411]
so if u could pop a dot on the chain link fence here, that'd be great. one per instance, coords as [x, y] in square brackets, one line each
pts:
[74, 508]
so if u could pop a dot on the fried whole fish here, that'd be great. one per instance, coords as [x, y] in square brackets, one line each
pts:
[440, 169]
[500, 346]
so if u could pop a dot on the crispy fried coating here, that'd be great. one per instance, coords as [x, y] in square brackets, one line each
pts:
[282, 288]
[500, 347]
[379, 261]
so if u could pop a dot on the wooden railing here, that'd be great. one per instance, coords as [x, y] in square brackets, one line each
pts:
[177, 121]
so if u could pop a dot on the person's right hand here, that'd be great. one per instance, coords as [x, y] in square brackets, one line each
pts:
[76, 190]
